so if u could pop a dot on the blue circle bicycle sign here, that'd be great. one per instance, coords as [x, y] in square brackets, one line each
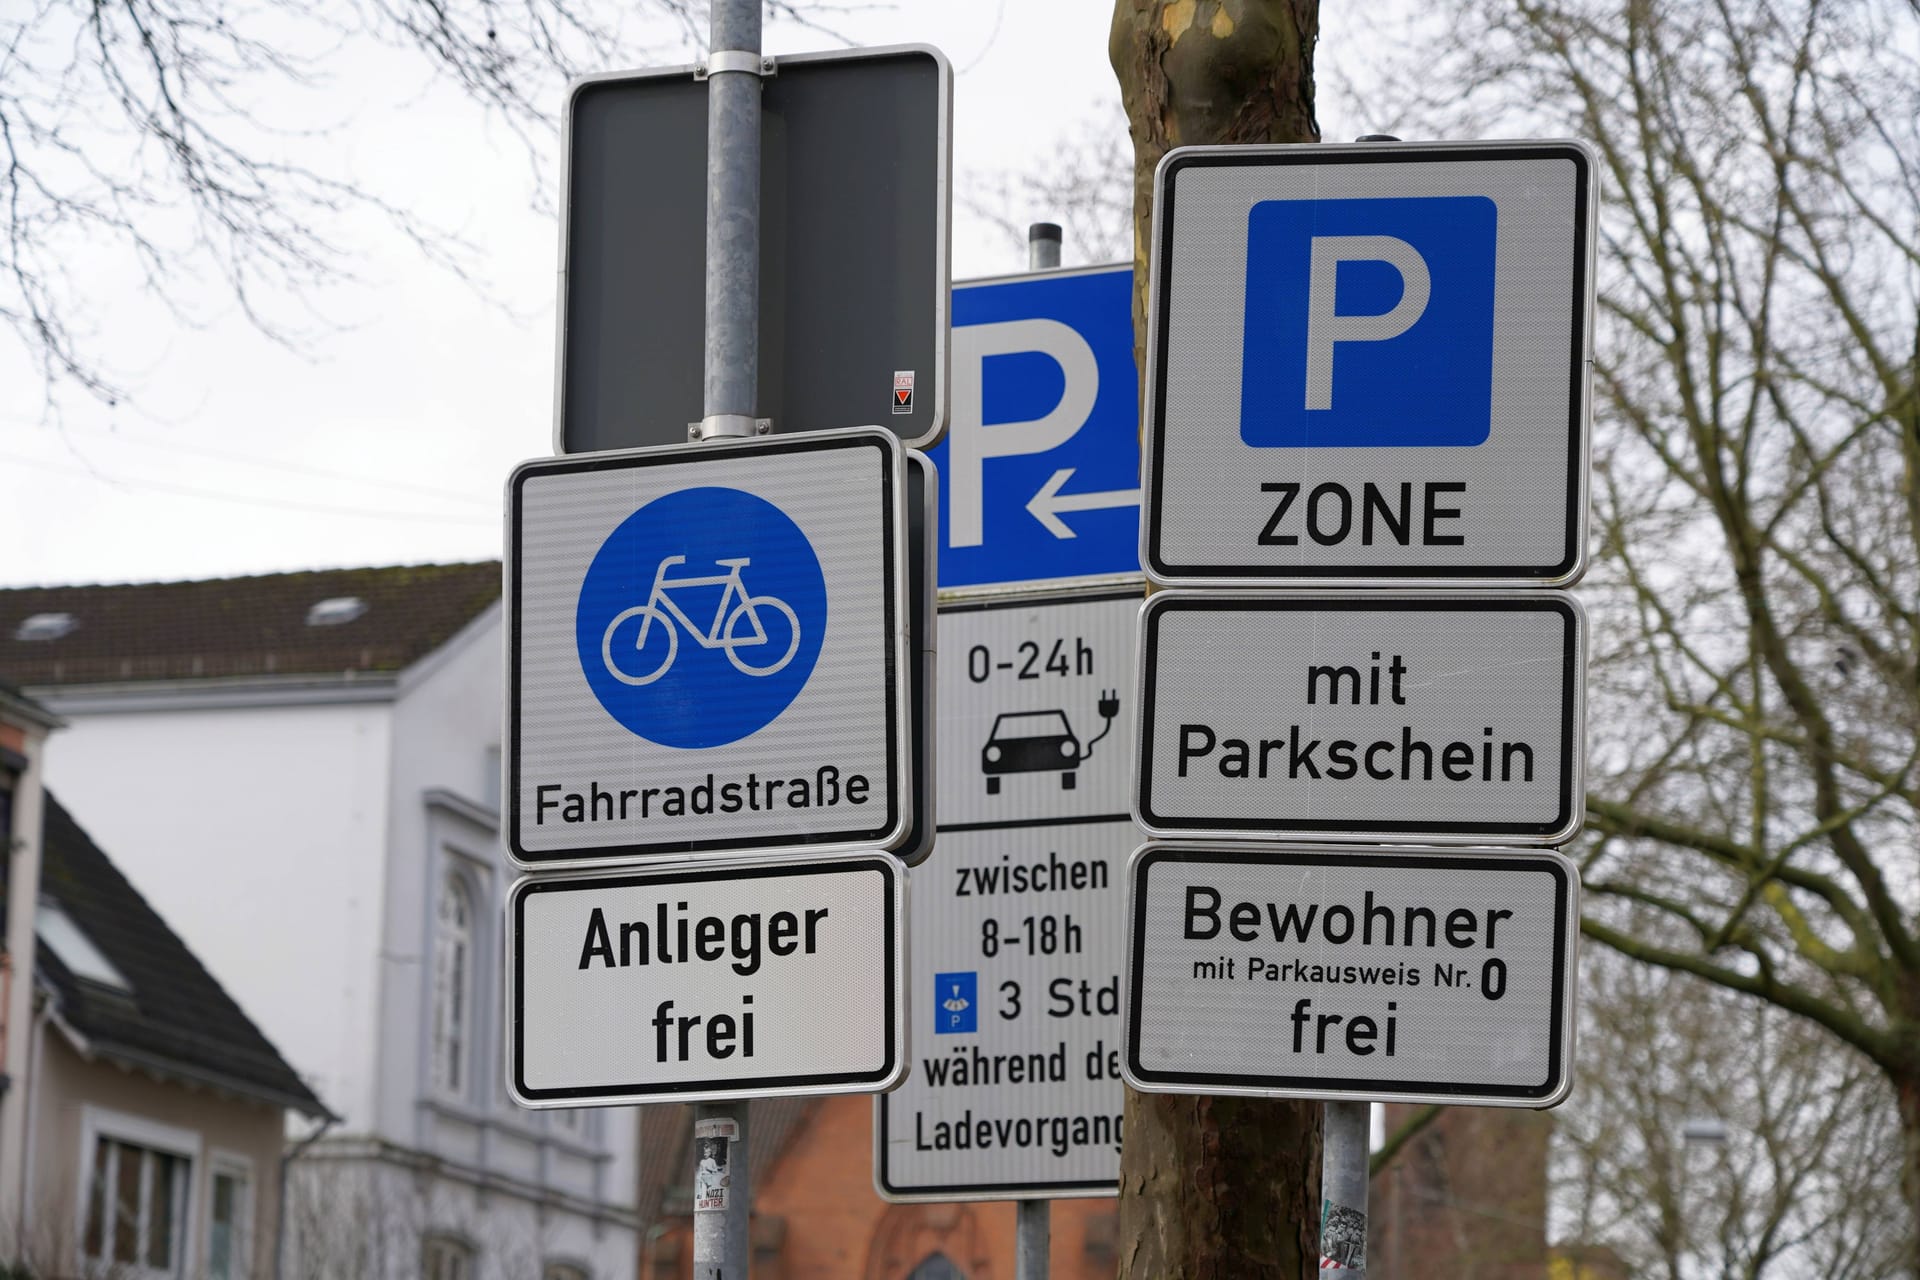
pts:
[701, 617]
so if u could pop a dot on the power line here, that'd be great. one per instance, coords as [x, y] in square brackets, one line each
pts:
[276, 503]
[292, 468]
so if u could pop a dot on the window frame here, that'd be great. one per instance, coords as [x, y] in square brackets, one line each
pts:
[456, 1246]
[453, 885]
[231, 1164]
[97, 1123]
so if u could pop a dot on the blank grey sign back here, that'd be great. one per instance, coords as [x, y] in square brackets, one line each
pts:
[853, 250]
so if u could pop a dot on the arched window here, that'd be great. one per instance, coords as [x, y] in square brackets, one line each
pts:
[936, 1266]
[453, 987]
[444, 1258]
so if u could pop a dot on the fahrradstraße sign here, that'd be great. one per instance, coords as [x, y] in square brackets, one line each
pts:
[708, 650]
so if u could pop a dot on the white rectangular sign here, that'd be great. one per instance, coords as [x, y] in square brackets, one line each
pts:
[1019, 928]
[1455, 718]
[1035, 723]
[716, 982]
[1370, 363]
[708, 650]
[1417, 975]
[1014, 1090]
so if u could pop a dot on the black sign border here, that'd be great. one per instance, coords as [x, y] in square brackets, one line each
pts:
[892, 493]
[1154, 446]
[678, 1090]
[1572, 686]
[1318, 1086]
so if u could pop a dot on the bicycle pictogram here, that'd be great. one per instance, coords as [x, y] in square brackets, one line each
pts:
[736, 609]
[701, 617]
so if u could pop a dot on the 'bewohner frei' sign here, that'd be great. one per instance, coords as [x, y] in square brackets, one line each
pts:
[1454, 718]
[708, 650]
[1409, 975]
[1370, 363]
[711, 982]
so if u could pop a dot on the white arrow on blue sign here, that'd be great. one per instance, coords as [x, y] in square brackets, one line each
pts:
[1040, 471]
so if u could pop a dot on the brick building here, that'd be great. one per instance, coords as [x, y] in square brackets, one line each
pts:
[1465, 1200]
[817, 1216]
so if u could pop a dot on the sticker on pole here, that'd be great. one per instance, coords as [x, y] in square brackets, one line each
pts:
[1416, 975]
[708, 650]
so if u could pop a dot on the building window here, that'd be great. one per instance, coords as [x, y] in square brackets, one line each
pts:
[136, 1208]
[570, 1121]
[936, 1266]
[453, 987]
[563, 1271]
[446, 1259]
[229, 1222]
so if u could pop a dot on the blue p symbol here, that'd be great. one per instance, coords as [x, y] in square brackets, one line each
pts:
[1369, 322]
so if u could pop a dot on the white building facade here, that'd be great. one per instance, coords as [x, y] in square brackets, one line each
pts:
[313, 798]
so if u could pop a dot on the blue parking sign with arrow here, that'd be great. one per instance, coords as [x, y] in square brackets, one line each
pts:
[1040, 470]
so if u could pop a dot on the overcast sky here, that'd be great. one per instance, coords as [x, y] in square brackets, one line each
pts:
[386, 438]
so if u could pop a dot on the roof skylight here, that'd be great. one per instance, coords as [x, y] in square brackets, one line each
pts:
[45, 626]
[61, 935]
[335, 611]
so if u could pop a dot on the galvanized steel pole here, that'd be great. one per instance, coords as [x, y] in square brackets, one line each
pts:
[723, 1192]
[1043, 246]
[722, 1247]
[733, 219]
[1033, 1236]
[1346, 1130]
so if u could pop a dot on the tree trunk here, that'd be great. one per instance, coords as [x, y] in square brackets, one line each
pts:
[1196, 72]
[1213, 1188]
[1906, 1087]
[1219, 1188]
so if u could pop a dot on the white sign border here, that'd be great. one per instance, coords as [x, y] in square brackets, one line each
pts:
[899, 1059]
[901, 730]
[1580, 427]
[1565, 996]
[1345, 831]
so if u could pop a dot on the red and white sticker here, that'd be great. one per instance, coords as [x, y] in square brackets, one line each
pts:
[903, 391]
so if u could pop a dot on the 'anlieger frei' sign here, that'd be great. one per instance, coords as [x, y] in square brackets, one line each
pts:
[718, 981]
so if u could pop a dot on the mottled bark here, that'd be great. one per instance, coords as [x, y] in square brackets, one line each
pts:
[1196, 72]
[1219, 1188]
[1213, 1188]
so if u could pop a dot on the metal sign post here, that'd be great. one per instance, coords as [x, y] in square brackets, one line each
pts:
[721, 1245]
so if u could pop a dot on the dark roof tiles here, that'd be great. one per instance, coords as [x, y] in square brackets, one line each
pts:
[230, 627]
[177, 1019]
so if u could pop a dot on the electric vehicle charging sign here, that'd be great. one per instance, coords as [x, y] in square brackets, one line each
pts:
[1014, 1090]
[1370, 364]
[708, 650]
[1404, 975]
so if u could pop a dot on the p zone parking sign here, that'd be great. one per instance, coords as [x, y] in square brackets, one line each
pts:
[1370, 364]
[708, 650]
